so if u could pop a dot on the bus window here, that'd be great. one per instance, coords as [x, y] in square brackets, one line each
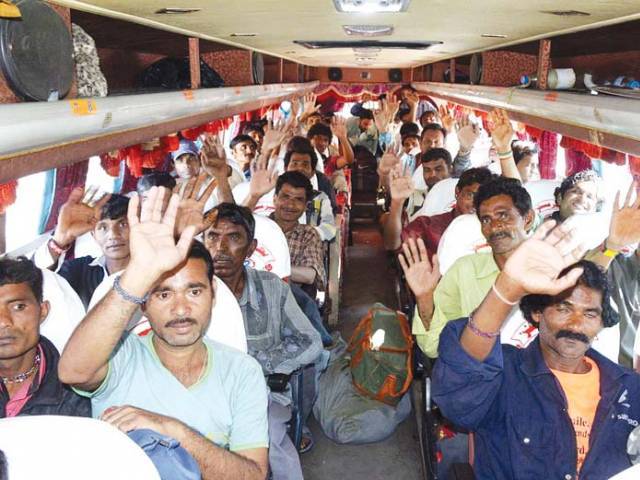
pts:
[96, 176]
[24, 216]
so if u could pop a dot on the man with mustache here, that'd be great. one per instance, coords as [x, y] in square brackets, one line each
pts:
[210, 398]
[106, 219]
[557, 408]
[279, 335]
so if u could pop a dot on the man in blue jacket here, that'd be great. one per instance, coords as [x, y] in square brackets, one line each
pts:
[556, 409]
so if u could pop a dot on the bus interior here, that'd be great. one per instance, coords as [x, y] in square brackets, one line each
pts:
[103, 97]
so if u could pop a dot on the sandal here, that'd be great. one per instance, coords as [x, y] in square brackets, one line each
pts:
[306, 444]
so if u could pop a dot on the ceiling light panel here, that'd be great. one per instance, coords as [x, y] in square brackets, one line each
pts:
[371, 6]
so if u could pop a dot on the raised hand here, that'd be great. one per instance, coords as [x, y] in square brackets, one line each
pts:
[79, 214]
[535, 265]
[263, 178]
[274, 135]
[309, 106]
[401, 185]
[422, 275]
[624, 229]
[468, 133]
[448, 123]
[153, 247]
[213, 157]
[501, 130]
[388, 161]
[384, 117]
[191, 206]
[339, 127]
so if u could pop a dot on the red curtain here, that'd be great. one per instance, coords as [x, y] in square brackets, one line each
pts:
[67, 178]
[576, 161]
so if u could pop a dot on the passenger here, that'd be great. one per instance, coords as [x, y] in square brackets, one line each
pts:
[29, 383]
[319, 212]
[279, 334]
[186, 161]
[107, 222]
[556, 409]
[362, 130]
[525, 154]
[504, 209]
[218, 398]
[256, 132]
[429, 116]
[154, 179]
[320, 136]
[577, 194]
[410, 152]
[409, 98]
[430, 228]
[434, 136]
[624, 276]
[310, 112]
[293, 191]
[244, 150]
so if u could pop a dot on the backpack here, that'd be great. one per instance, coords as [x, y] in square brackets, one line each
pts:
[381, 349]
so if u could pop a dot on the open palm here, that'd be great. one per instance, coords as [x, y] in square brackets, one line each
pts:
[421, 275]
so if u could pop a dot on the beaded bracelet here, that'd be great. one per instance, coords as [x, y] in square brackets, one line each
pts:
[474, 328]
[126, 295]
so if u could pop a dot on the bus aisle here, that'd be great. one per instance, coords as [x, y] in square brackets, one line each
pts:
[398, 456]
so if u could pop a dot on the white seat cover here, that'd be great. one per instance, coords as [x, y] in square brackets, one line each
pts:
[71, 448]
[264, 207]
[441, 198]
[272, 252]
[227, 324]
[66, 309]
[462, 237]
[542, 199]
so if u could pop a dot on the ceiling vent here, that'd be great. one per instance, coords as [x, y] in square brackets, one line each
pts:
[566, 13]
[368, 30]
[176, 11]
[371, 6]
[319, 44]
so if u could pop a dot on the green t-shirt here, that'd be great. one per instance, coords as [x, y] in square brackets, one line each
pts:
[228, 405]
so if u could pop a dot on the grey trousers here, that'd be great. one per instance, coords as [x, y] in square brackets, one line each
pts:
[284, 460]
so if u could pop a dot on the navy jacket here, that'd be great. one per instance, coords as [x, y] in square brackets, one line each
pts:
[51, 396]
[518, 411]
[83, 277]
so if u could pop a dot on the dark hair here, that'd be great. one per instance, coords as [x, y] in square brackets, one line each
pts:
[571, 180]
[320, 129]
[522, 149]
[302, 151]
[592, 277]
[253, 127]
[504, 186]
[406, 86]
[433, 126]
[116, 207]
[427, 112]
[238, 215]
[299, 143]
[314, 114]
[155, 179]
[365, 114]
[479, 175]
[4, 468]
[404, 137]
[21, 270]
[240, 139]
[409, 128]
[199, 251]
[437, 154]
[296, 180]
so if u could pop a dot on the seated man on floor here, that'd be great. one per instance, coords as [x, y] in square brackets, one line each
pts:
[107, 222]
[29, 383]
[429, 228]
[218, 397]
[279, 334]
[293, 191]
[556, 409]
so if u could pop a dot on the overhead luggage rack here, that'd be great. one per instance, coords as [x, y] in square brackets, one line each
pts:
[39, 136]
[607, 121]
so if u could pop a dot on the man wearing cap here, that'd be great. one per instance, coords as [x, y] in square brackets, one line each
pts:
[185, 161]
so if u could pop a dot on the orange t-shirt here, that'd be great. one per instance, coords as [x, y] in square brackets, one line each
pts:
[583, 395]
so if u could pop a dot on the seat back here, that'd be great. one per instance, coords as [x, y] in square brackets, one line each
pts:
[462, 237]
[272, 252]
[542, 199]
[440, 199]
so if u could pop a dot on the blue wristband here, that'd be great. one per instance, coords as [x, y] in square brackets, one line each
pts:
[126, 295]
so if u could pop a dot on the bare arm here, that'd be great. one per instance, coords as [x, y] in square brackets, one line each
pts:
[84, 362]
[306, 275]
[501, 135]
[533, 268]
[339, 129]
[214, 163]
[401, 188]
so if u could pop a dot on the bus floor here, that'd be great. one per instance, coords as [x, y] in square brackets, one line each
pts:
[366, 281]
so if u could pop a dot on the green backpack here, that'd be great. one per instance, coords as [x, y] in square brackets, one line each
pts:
[381, 349]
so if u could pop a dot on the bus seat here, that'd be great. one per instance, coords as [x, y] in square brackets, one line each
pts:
[441, 198]
[226, 327]
[542, 198]
[69, 447]
[462, 237]
[66, 309]
[264, 207]
[85, 245]
[272, 252]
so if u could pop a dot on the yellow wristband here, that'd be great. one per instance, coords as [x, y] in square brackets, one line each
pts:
[610, 253]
